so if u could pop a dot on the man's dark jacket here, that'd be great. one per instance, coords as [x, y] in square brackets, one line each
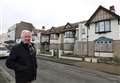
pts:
[23, 62]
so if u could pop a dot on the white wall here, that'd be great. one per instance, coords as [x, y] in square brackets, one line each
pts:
[45, 38]
[37, 38]
[11, 32]
[11, 35]
[82, 37]
[69, 40]
[119, 30]
[59, 41]
[54, 41]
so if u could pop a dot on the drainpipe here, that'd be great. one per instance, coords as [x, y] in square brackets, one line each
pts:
[87, 40]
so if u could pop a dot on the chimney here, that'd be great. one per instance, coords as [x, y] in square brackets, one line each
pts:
[43, 27]
[112, 9]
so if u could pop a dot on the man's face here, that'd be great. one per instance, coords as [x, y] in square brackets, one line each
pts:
[26, 37]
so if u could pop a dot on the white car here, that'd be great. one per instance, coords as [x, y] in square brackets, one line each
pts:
[4, 52]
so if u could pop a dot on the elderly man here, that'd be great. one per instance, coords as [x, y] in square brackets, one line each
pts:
[22, 59]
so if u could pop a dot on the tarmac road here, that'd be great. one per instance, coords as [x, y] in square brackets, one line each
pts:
[52, 72]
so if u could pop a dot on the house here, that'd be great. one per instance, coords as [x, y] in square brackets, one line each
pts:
[45, 41]
[56, 40]
[80, 47]
[103, 33]
[62, 39]
[36, 37]
[70, 36]
[14, 32]
[40, 38]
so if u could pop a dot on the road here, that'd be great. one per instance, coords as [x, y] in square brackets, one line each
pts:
[51, 72]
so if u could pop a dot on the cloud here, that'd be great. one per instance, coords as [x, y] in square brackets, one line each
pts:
[50, 12]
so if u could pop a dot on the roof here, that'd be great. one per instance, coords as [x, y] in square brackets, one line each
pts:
[45, 32]
[23, 22]
[61, 29]
[73, 26]
[99, 8]
[40, 31]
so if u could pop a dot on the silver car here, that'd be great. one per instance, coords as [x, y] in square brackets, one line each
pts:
[4, 52]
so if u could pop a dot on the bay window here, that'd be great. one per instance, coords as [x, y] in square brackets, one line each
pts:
[103, 26]
[69, 34]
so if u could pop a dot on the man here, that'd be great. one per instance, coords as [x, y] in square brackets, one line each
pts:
[22, 59]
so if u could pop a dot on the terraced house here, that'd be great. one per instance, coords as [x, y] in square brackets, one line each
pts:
[62, 39]
[98, 37]
[104, 33]
[81, 47]
[41, 39]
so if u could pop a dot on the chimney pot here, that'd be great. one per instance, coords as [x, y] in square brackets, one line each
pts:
[112, 9]
[43, 27]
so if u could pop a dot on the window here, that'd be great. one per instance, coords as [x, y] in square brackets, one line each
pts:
[33, 39]
[69, 34]
[107, 25]
[103, 45]
[77, 34]
[45, 38]
[103, 26]
[97, 27]
[54, 36]
[83, 31]
[8, 36]
[119, 21]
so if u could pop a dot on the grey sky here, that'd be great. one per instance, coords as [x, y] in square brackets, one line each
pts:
[49, 13]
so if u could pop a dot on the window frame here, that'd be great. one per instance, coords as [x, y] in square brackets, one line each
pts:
[69, 34]
[105, 26]
[55, 36]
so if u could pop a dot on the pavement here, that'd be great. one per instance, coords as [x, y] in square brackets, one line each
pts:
[59, 60]
[5, 77]
[107, 68]
[2, 79]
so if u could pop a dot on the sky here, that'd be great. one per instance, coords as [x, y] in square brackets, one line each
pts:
[49, 13]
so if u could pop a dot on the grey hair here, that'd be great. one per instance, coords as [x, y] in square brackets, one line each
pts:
[25, 31]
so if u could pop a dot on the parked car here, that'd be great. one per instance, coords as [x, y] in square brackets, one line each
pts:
[4, 52]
